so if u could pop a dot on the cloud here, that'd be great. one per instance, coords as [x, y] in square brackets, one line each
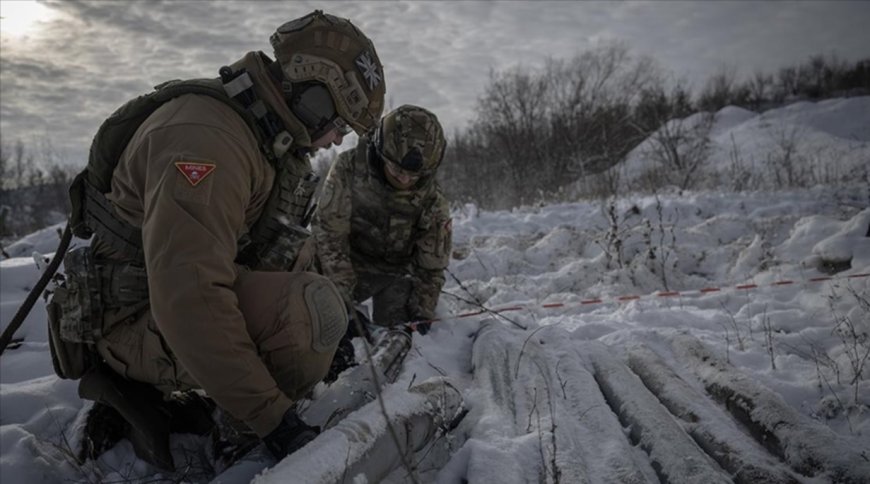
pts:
[64, 79]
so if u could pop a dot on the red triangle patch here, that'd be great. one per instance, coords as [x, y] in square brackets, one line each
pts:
[194, 172]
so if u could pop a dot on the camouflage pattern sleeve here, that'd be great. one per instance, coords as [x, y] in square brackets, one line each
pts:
[431, 257]
[331, 226]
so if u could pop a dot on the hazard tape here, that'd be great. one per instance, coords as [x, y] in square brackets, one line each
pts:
[632, 297]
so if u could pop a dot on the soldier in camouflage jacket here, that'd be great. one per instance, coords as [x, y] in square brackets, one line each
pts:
[383, 229]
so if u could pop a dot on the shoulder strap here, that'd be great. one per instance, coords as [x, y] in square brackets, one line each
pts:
[115, 133]
[90, 211]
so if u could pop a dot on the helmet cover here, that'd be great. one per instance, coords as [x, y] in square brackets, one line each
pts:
[331, 50]
[411, 137]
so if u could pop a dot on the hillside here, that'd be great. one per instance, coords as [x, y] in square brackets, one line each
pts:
[705, 336]
[798, 145]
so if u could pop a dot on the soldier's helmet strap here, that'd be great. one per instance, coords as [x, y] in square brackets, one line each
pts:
[239, 86]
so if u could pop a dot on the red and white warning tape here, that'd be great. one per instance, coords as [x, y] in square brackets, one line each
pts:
[627, 298]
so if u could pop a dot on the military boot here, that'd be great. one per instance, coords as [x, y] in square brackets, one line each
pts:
[231, 440]
[140, 405]
[104, 427]
[190, 413]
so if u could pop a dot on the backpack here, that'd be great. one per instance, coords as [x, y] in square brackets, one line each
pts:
[110, 141]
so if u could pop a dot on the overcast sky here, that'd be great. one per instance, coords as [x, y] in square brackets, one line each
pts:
[64, 72]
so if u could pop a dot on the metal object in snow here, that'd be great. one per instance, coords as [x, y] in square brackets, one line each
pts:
[359, 385]
[364, 443]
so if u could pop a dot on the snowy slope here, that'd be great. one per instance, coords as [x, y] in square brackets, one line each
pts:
[824, 142]
[534, 257]
[552, 382]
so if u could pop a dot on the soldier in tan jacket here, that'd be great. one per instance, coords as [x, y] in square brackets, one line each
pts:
[227, 309]
[383, 227]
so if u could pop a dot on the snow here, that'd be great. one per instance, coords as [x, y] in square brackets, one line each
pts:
[825, 140]
[797, 341]
[41, 241]
[362, 440]
[844, 118]
[801, 441]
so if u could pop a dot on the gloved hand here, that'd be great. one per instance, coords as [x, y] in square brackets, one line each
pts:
[344, 357]
[290, 435]
[422, 324]
[423, 327]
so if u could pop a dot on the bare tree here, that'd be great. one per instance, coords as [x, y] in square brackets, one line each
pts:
[787, 83]
[20, 163]
[759, 89]
[676, 142]
[34, 189]
[593, 97]
[4, 168]
[537, 131]
[511, 115]
[722, 89]
[680, 147]
[539, 134]
[786, 162]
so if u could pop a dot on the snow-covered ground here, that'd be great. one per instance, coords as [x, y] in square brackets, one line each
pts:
[800, 144]
[585, 289]
[558, 254]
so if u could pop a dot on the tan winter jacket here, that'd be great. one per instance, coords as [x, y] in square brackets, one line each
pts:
[194, 180]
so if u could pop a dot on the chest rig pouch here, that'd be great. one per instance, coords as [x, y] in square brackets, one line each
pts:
[79, 298]
[278, 238]
[73, 310]
[385, 222]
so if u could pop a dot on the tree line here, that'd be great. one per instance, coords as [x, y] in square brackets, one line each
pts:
[33, 188]
[535, 132]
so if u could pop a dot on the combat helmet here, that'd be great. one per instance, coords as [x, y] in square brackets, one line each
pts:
[320, 50]
[412, 138]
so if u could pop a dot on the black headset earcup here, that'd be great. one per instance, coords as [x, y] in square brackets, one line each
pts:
[313, 105]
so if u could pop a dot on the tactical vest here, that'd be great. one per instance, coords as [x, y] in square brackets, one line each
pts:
[272, 244]
[386, 223]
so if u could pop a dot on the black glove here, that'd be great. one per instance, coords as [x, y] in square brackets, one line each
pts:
[344, 358]
[422, 325]
[290, 435]
[358, 325]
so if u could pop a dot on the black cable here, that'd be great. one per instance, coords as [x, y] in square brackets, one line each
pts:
[25, 308]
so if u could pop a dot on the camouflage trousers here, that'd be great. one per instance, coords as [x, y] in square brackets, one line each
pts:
[273, 308]
[390, 294]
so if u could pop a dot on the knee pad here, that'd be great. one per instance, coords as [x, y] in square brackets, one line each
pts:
[328, 315]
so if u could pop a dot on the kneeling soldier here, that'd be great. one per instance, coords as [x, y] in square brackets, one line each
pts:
[198, 196]
[383, 227]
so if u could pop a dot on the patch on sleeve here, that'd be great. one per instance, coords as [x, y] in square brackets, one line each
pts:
[194, 172]
[193, 183]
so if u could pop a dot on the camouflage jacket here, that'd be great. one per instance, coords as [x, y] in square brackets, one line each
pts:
[363, 224]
